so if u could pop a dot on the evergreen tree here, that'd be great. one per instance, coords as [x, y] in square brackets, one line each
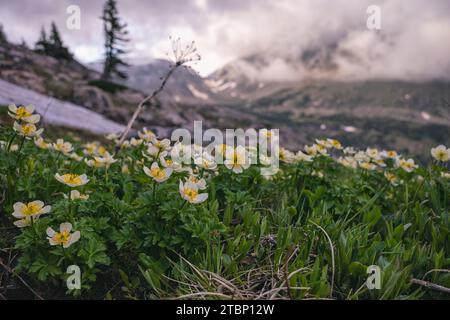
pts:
[52, 45]
[55, 38]
[24, 44]
[2, 34]
[42, 45]
[115, 39]
[57, 48]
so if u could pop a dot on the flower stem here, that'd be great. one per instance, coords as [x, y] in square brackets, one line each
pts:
[70, 207]
[11, 141]
[66, 256]
[19, 158]
[21, 144]
[33, 226]
[154, 190]
[57, 159]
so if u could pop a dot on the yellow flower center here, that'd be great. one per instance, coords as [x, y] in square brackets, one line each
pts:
[63, 147]
[235, 158]
[367, 165]
[223, 148]
[390, 177]
[191, 193]
[101, 150]
[42, 144]
[158, 173]
[72, 178]
[320, 146]
[148, 133]
[62, 237]
[31, 209]
[28, 128]
[391, 154]
[441, 154]
[407, 164]
[96, 163]
[22, 112]
[335, 143]
[90, 149]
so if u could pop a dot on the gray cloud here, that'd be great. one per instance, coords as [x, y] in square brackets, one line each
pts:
[413, 42]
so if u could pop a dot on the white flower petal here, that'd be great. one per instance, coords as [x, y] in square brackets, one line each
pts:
[147, 171]
[154, 165]
[13, 108]
[19, 207]
[50, 232]
[59, 178]
[74, 237]
[30, 108]
[52, 242]
[65, 226]
[46, 209]
[35, 118]
[22, 223]
[200, 198]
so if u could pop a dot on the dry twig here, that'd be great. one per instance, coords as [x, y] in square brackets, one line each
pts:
[11, 271]
[430, 285]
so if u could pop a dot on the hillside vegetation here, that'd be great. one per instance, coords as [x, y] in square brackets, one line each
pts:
[140, 225]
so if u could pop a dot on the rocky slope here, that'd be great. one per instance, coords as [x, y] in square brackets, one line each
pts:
[73, 82]
[66, 81]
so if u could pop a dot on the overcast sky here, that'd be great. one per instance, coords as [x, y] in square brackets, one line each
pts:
[414, 38]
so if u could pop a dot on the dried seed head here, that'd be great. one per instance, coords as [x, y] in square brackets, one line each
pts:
[183, 54]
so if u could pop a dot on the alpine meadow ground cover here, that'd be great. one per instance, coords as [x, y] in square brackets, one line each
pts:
[139, 225]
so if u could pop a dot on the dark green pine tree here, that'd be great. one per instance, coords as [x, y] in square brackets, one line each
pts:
[42, 45]
[57, 48]
[2, 35]
[115, 40]
[24, 44]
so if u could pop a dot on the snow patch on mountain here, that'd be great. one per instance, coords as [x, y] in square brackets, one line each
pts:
[56, 111]
[196, 93]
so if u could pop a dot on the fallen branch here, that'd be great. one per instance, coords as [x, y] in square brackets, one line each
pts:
[430, 285]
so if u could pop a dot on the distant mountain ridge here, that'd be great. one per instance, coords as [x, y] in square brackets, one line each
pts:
[408, 116]
[185, 84]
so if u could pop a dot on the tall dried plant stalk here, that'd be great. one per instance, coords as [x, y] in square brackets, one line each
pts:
[182, 55]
